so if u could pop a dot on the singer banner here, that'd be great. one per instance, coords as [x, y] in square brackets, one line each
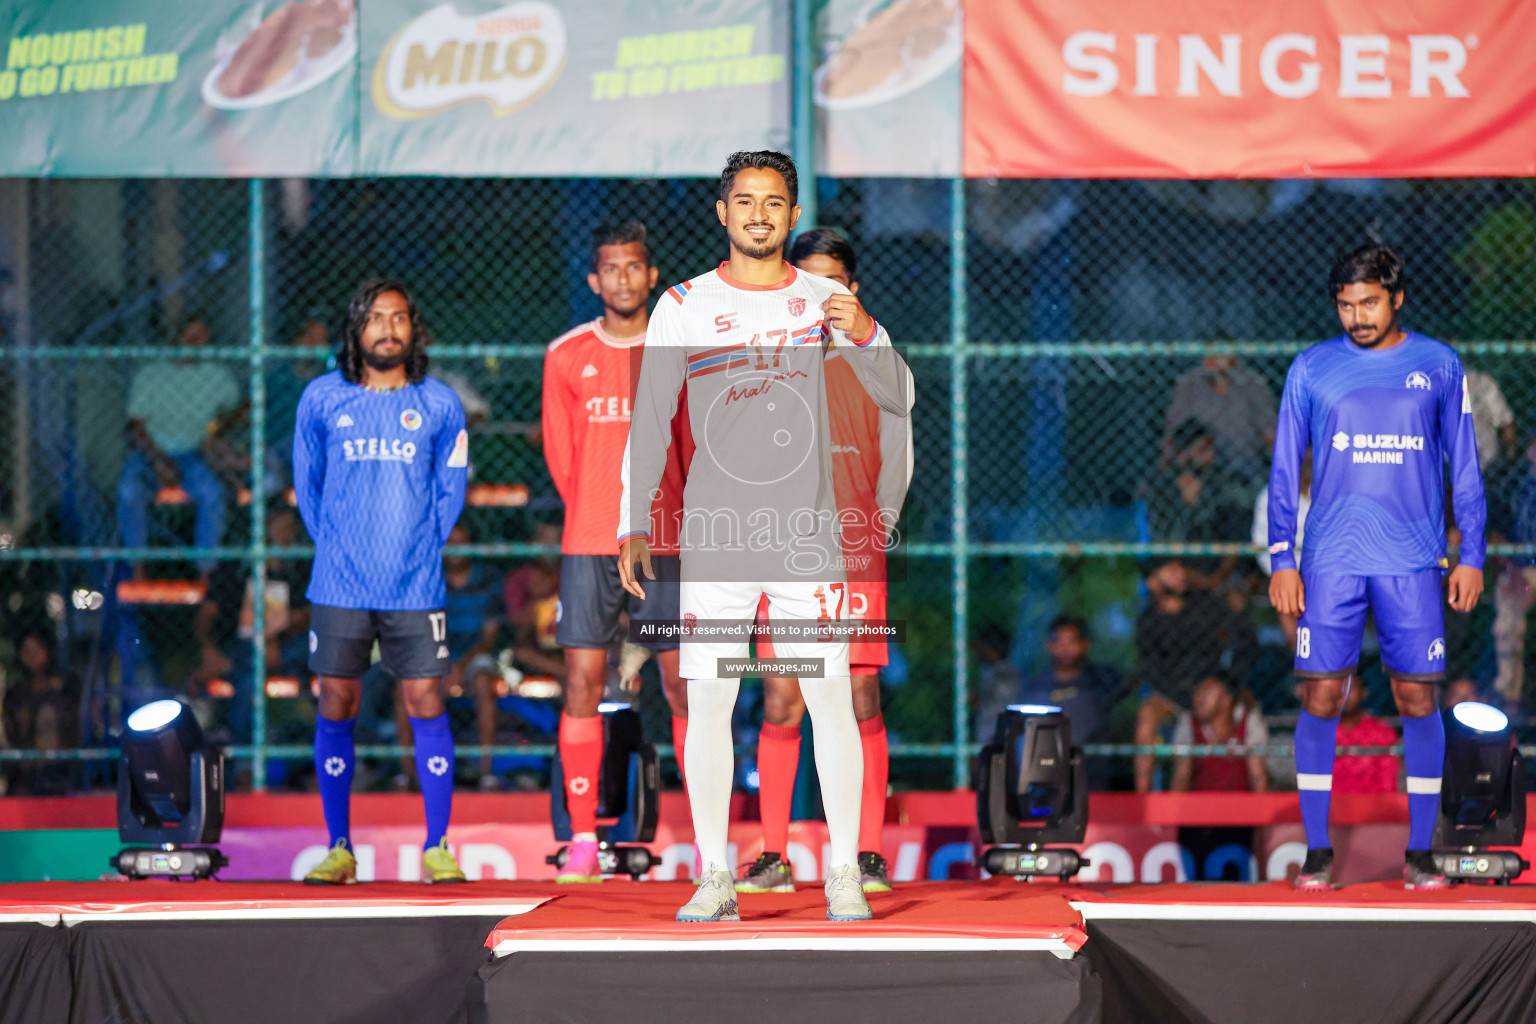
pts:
[1211, 88]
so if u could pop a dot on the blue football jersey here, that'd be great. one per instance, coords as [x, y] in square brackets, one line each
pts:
[380, 479]
[1382, 426]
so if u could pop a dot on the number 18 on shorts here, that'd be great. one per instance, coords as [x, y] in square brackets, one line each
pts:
[1410, 623]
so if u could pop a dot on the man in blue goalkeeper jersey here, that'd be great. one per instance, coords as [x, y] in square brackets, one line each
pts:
[380, 462]
[1384, 410]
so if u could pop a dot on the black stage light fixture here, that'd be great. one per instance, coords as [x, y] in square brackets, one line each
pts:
[170, 792]
[1031, 790]
[1482, 798]
[628, 786]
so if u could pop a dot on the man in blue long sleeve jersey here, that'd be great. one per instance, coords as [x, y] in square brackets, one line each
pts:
[1384, 410]
[380, 464]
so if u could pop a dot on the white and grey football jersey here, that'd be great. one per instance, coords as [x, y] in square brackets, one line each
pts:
[759, 487]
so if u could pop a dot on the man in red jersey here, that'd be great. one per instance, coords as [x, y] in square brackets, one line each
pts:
[871, 468]
[590, 374]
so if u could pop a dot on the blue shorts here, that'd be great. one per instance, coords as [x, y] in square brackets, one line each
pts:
[1410, 623]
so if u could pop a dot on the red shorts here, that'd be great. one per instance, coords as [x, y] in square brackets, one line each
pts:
[866, 600]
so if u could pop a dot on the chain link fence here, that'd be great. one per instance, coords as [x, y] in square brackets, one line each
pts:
[1097, 365]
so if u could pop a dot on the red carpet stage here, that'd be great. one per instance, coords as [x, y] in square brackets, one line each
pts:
[153, 952]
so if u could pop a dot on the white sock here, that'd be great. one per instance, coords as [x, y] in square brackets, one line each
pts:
[709, 756]
[839, 762]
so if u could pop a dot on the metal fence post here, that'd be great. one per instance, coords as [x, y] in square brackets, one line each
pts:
[258, 552]
[803, 112]
[959, 506]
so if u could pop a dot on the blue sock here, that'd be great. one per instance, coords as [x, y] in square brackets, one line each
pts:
[1315, 740]
[1424, 757]
[434, 769]
[334, 762]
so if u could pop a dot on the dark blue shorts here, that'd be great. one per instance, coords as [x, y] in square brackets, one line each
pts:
[591, 599]
[412, 645]
[1410, 623]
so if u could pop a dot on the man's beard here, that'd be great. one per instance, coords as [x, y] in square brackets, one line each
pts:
[756, 250]
[381, 363]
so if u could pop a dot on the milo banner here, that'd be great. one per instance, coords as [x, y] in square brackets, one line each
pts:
[153, 88]
[571, 87]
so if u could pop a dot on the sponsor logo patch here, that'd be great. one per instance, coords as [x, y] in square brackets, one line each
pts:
[504, 58]
[459, 457]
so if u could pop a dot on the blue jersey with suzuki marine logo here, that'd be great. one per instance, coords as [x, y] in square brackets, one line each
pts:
[380, 480]
[1382, 426]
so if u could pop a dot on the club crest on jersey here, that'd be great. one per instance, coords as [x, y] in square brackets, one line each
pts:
[1418, 379]
[689, 621]
[796, 306]
[410, 419]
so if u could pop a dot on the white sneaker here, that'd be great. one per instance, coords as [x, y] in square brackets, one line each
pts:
[715, 898]
[845, 895]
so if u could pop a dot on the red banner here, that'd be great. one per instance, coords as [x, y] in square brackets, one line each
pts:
[1220, 89]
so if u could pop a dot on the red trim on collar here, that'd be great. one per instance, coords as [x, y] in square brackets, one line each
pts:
[725, 276]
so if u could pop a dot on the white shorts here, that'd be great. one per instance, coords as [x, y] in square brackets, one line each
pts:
[801, 600]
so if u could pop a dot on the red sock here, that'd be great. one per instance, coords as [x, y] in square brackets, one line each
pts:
[778, 756]
[581, 758]
[877, 773]
[679, 738]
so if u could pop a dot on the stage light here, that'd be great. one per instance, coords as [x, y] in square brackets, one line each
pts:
[1032, 789]
[628, 785]
[1482, 797]
[170, 792]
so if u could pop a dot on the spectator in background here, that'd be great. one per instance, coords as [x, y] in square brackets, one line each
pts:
[1261, 536]
[228, 447]
[286, 381]
[225, 623]
[1001, 682]
[1235, 404]
[171, 405]
[1459, 692]
[1516, 588]
[1085, 691]
[1182, 637]
[1364, 773]
[532, 592]
[41, 711]
[1492, 421]
[1215, 718]
[1194, 500]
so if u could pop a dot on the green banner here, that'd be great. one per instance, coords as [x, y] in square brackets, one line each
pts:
[215, 88]
[575, 87]
[166, 88]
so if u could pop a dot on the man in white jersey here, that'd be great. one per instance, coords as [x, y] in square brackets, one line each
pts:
[759, 511]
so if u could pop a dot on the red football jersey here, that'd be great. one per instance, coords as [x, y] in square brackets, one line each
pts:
[871, 467]
[589, 390]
